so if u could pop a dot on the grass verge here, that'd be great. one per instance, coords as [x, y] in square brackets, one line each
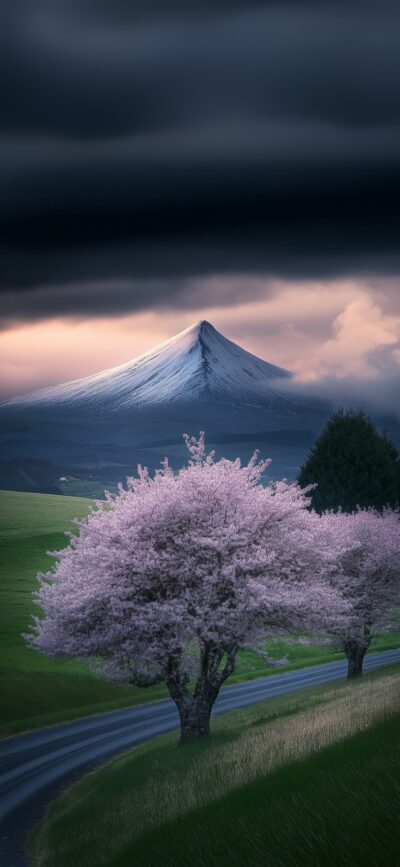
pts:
[310, 779]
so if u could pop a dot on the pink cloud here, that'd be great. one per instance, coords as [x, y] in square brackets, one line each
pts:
[316, 330]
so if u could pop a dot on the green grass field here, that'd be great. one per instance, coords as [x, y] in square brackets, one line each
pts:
[36, 691]
[310, 779]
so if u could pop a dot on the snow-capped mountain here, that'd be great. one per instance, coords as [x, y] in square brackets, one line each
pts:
[198, 364]
[95, 430]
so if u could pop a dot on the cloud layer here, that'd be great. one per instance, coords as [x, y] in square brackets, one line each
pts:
[341, 342]
[144, 149]
[235, 160]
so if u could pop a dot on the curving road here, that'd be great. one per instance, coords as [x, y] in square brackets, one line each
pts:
[35, 767]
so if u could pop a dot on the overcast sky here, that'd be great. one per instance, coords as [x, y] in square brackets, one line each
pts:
[162, 162]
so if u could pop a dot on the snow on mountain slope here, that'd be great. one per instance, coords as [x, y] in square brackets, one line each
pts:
[197, 364]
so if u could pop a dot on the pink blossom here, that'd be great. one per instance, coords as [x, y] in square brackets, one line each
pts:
[367, 543]
[169, 578]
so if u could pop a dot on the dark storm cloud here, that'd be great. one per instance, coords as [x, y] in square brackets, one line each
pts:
[147, 143]
[114, 298]
[86, 75]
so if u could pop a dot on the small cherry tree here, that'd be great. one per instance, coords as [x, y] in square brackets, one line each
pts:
[169, 578]
[368, 557]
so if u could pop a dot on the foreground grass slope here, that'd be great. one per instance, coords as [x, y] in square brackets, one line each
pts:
[311, 779]
[37, 691]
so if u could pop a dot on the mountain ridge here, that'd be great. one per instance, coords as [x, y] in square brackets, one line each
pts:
[95, 430]
[194, 365]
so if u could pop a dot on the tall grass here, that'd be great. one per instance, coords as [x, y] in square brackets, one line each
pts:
[104, 815]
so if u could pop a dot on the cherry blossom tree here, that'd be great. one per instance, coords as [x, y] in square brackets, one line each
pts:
[168, 579]
[368, 551]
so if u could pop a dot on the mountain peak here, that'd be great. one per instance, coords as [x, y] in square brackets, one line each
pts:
[203, 326]
[197, 364]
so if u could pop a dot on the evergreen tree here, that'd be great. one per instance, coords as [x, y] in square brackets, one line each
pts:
[352, 465]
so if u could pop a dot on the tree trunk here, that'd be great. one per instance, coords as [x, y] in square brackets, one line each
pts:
[355, 646]
[195, 708]
[195, 719]
[355, 657]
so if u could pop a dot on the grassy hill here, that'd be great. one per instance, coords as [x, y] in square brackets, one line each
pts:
[37, 691]
[310, 779]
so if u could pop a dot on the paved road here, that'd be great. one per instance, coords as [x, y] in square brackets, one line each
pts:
[35, 767]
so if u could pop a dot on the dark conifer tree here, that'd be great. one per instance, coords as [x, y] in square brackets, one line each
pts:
[352, 465]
